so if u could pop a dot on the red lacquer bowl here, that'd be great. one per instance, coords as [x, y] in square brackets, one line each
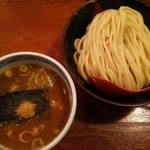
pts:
[113, 90]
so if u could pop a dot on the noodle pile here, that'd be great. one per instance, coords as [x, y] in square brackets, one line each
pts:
[116, 47]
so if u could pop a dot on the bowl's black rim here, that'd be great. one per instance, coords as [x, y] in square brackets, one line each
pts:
[134, 104]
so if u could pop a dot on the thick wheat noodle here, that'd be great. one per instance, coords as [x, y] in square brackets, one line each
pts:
[116, 47]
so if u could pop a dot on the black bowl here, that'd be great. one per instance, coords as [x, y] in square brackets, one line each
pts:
[76, 27]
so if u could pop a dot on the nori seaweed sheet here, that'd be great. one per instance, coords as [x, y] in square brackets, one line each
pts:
[10, 101]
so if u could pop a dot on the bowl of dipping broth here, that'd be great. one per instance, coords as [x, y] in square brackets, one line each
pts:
[105, 52]
[37, 101]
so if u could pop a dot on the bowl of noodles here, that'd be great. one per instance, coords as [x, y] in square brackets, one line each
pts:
[108, 41]
[37, 101]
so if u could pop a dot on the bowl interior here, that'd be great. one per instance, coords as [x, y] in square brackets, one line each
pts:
[76, 27]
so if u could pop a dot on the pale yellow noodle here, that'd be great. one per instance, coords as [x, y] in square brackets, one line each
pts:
[21, 138]
[37, 144]
[116, 47]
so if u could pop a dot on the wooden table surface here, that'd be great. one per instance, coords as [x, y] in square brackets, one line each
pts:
[38, 25]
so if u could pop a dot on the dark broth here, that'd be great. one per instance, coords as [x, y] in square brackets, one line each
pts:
[37, 131]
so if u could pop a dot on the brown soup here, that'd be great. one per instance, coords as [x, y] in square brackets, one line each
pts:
[37, 131]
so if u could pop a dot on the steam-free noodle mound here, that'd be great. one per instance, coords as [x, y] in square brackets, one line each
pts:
[116, 47]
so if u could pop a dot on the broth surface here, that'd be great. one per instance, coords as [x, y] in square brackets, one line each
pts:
[37, 131]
